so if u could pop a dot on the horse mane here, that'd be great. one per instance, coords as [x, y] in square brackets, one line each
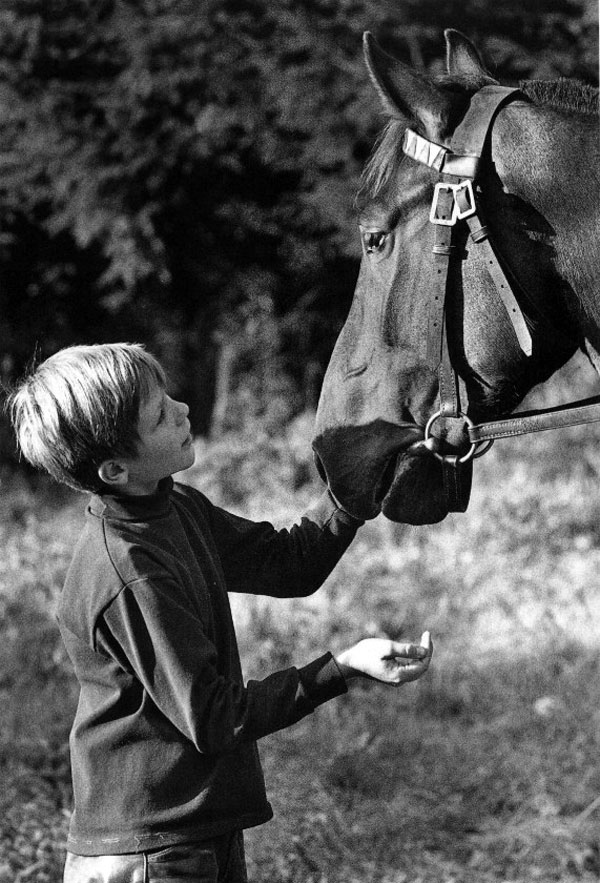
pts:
[568, 95]
[563, 94]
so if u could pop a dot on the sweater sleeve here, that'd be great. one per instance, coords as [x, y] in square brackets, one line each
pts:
[155, 635]
[258, 559]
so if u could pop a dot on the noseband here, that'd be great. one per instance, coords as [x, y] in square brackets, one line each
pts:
[456, 200]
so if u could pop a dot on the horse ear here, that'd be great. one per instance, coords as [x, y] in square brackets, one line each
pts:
[404, 92]
[463, 60]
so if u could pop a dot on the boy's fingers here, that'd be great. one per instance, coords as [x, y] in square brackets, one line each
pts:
[408, 651]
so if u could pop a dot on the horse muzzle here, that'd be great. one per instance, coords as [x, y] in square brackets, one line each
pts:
[393, 469]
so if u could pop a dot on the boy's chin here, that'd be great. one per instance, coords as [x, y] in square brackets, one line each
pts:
[189, 456]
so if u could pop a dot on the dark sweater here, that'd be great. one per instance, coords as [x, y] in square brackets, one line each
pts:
[163, 744]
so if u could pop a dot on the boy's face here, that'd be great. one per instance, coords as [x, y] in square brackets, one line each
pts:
[165, 444]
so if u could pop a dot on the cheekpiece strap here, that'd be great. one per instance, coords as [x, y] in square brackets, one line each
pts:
[471, 133]
[461, 163]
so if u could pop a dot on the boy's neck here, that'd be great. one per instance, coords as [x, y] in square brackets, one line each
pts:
[134, 507]
[135, 490]
[132, 489]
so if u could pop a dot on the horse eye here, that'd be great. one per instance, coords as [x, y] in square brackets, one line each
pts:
[374, 240]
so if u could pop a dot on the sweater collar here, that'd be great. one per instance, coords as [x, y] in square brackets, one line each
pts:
[132, 507]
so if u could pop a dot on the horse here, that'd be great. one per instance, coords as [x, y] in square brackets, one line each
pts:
[479, 219]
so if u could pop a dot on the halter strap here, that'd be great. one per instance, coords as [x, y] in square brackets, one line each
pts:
[455, 199]
[470, 138]
[574, 414]
[460, 163]
[470, 135]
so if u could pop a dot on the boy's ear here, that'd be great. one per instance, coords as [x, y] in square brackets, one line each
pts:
[113, 473]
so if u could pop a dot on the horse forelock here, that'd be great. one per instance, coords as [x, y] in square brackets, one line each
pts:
[383, 162]
[568, 95]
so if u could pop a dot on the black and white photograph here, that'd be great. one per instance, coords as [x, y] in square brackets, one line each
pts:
[299, 441]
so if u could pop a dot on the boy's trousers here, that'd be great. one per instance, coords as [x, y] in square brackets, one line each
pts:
[218, 860]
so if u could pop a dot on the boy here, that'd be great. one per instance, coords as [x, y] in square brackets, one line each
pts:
[166, 772]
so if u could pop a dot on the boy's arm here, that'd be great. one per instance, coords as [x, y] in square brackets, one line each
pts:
[156, 636]
[258, 559]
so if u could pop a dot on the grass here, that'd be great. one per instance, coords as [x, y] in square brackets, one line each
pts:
[485, 770]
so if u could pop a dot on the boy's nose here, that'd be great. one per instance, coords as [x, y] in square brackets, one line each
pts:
[182, 411]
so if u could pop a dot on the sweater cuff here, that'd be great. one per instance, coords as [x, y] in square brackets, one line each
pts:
[328, 513]
[322, 679]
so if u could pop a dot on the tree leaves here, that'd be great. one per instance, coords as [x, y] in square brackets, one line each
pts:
[176, 146]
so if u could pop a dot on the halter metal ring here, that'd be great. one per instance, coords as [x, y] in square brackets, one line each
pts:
[470, 453]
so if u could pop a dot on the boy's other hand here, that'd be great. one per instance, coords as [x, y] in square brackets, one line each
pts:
[391, 662]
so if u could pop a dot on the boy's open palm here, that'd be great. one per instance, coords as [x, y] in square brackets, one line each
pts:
[391, 662]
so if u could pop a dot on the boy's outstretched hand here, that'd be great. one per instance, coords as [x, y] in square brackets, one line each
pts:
[391, 662]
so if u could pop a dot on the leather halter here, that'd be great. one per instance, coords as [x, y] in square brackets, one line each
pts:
[456, 200]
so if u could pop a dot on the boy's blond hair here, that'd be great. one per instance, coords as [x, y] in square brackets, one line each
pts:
[80, 407]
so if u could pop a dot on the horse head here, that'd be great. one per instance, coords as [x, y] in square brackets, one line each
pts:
[538, 186]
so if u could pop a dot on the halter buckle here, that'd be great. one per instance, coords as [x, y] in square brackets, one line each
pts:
[463, 202]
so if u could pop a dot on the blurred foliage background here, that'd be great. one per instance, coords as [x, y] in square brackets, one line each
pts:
[182, 173]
